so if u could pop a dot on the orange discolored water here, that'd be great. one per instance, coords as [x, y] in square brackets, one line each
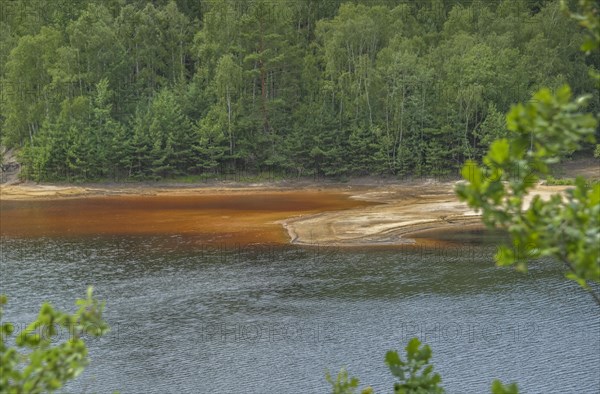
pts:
[235, 217]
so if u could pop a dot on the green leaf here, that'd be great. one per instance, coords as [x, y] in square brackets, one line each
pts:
[504, 256]
[499, 151]
[499, 388]
[413, 347]
[472, 173]
[392, 358]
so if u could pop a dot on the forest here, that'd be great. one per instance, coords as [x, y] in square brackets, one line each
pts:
[142, 90]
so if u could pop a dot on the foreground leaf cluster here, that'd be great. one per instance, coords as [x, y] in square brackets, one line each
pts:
[566, 226]
[40, 362]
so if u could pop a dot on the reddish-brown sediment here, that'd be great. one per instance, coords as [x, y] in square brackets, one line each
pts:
[348, 216]
[226, 217]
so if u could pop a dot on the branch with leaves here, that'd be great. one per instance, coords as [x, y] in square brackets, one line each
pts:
[415, 375]
[35, 365]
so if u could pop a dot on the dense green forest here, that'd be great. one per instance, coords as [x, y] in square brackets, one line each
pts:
[119, 89]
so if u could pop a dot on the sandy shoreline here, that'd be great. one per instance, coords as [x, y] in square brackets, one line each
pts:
[394, 214]
[54, 192]
[399, 212]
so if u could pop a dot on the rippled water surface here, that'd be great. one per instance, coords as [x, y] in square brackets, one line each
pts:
[189, 317]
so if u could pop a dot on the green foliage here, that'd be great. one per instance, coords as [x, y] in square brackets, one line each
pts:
[334, 89]
[566, 228]
[40, 364]
[415, 375]
[499, 388]
[344, 384]
[551, 181]
[587, 17]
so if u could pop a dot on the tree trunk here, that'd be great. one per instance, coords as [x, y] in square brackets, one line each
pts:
[229, 123]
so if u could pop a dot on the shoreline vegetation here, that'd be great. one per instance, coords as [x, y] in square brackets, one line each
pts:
[362, 213]
[138, 90]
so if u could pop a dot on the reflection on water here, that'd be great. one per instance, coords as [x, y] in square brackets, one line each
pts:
[469, 235]
[192, 317]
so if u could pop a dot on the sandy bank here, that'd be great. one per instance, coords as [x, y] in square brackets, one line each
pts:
[31, 191]
[400, 211]
[403, 212]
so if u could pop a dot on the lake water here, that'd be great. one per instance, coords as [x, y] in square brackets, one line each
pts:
[189, 316]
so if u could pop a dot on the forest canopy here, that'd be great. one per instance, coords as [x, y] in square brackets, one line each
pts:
[119, 89]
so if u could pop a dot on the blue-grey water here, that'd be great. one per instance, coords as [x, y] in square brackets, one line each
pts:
[188, 318]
